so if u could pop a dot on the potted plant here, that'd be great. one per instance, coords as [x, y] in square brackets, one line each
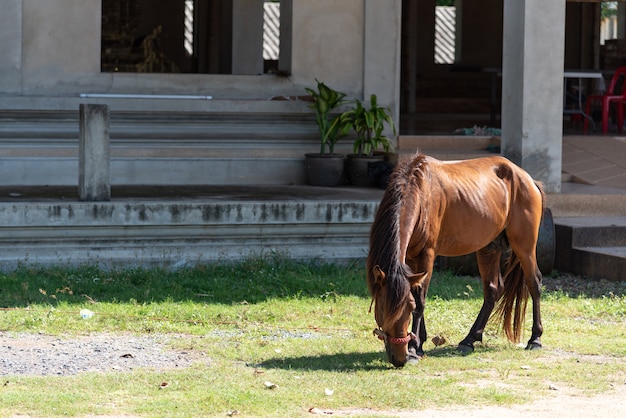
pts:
[326, 167]
[369, 125]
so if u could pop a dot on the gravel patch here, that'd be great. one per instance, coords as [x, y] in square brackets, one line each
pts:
[576, 286]
[45, 355]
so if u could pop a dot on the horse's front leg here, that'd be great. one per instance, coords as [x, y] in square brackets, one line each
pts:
[416, 350]
[489, 267]
[425, 261]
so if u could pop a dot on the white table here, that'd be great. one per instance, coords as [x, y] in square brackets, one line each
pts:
[580, 75]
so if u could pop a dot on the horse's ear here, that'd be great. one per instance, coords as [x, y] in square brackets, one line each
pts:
[379, 276]
[417, 279]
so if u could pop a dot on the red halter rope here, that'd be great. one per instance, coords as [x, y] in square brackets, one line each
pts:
[394, 340]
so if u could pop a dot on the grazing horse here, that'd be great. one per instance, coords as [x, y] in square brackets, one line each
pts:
[430, 208]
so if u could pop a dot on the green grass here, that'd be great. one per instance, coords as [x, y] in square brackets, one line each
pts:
[304, 327]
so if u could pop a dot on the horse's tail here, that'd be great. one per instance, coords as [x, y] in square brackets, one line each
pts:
[511, 309]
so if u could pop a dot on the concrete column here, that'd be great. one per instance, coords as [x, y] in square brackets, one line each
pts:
[532, 87]
[11, 47]
[621, 21]
[94, 182]
[286, 34]
[381, 54]
[247, 37]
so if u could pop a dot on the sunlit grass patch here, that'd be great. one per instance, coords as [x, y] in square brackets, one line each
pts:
[306, 329]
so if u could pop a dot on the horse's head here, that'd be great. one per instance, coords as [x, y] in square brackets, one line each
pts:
[393, 307]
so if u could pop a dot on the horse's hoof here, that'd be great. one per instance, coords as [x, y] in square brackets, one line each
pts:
[533, 346]
[413, 360]
[414, 357]
[465, 349]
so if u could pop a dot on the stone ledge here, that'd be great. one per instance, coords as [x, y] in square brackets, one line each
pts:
[149, 233]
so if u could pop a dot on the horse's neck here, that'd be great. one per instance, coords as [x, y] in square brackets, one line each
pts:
[411, 227]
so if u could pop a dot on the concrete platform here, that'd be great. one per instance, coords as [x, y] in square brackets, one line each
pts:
[176, 225]
[592, 246]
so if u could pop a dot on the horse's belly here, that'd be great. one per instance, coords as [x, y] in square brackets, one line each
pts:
[456, 252]
[465, 237]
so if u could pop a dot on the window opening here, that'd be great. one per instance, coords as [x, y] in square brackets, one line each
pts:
[195, 36]
[189, 27]
[271, 30]
[445, 32]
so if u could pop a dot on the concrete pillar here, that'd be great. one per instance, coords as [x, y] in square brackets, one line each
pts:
[94, 182]
[381, 55]
[532, 87]
[621, 21]
[11, 47]
[286, 34]
[247, 37]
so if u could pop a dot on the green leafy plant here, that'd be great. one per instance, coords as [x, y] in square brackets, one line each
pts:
[325, 101]
[369, 124]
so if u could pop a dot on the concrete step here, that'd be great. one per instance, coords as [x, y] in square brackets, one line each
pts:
[209, 224]
[448, 155]
[225, 145]
[456, 142]
[446, 147]
[593, 247]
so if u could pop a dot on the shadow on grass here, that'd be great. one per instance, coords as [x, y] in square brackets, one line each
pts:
[452, 350]
[357, 361]
[248, 281]
[344, 362]
[331, 362]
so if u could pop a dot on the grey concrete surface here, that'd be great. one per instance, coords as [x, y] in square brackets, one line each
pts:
[176, 225]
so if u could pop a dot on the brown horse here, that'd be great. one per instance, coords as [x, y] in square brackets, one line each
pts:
[431, 208]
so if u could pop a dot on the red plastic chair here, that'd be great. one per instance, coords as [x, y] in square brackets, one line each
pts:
[615, 93]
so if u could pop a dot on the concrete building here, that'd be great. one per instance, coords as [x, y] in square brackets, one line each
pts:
[192, 100]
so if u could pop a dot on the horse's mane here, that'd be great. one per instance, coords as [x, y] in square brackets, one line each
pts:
[403, 191]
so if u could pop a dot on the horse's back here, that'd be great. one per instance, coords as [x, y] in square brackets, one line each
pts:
[497, 168]
[479, 198]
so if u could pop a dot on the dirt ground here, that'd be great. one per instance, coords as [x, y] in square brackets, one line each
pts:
[560, 403]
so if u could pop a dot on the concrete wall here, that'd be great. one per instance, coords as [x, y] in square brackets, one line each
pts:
[60, 45]
[52, 47]
[328, 43]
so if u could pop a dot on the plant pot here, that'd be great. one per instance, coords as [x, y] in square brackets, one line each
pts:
[324, 169]
[357, 168]
[390, 157]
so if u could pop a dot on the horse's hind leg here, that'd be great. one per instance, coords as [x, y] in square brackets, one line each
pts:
[534, 285]
[526, 253]
[489, 267]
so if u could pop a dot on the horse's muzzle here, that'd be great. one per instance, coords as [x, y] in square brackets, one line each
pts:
[392, 347]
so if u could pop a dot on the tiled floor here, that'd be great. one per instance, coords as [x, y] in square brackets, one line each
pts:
[598, 160]
[595, 160]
